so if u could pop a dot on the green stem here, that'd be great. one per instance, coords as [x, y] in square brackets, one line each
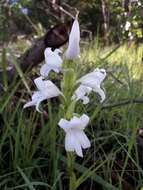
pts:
[67, 86]
[72, 177]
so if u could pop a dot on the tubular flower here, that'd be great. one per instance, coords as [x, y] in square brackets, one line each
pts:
[75, 138]
[81, 94]
[73, 49]
[52, 62]
[46, 90]
[90, 82]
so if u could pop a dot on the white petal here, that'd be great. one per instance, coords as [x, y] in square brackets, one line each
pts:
[28, 104]
[44, 71]
[63, 123]
[100, 75]
[47, 52]
[82, 138]
[93, 78]
[80, 93]
[33, 103]
[52, 57]
[75, 31]
[73, 49]
[84, 120]
[57, 70]
[78, 149]
[79, 123]
[100, 92]
[88, 81]
[54, 91]
[74, 122]
[57, 51]
[47, 89]
[71, 144]
[51, 90]
[39, 82]
[37, 106]
[53, 62]
[85, 100]
[35, 98]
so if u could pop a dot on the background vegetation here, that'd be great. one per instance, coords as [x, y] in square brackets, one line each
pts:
[32, 154]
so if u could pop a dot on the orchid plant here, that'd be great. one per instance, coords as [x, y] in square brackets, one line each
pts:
[72, 123]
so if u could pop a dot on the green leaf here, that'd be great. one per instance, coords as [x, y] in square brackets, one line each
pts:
[27, 181]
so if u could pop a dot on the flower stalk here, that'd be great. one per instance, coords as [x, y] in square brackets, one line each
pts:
[70, 170]
[67, 86]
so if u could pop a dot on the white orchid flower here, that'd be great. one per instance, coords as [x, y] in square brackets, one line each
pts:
[73, 49]
[46, 90]
[75, 138]
[52, 62]
[90, 82]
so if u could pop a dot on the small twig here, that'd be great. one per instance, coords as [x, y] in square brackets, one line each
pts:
[67, 6]
[62, 9]
[123, 103]
[67, 13]
[49, 13]
[115, 78]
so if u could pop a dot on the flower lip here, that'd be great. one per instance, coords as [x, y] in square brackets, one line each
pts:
[75, 138]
